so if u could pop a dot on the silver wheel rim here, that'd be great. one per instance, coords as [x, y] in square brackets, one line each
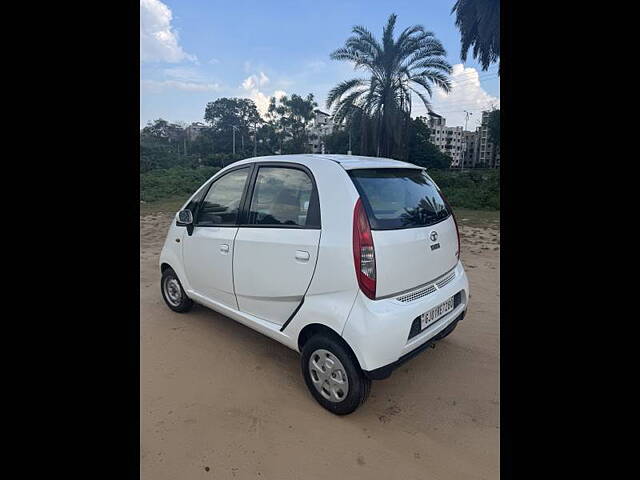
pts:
[328, 375]
[172, 291]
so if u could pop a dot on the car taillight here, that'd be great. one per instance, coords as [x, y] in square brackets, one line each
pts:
[364, 255]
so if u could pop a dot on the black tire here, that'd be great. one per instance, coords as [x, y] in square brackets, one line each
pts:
[446, 332]
[181, 303]
[359, 386]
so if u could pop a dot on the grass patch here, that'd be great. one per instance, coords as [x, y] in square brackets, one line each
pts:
[173, 182]
[166, 205]
[471, 189]
[478, 218]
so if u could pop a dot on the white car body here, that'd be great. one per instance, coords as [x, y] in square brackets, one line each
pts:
[284, 281]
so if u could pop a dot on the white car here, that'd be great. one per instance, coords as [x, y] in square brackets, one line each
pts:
[352, 261]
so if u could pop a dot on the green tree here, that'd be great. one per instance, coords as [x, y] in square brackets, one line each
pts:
[226, 113]
[397, 68]
[421, 151]
[288, 118]
[162, 145]
[479, 25]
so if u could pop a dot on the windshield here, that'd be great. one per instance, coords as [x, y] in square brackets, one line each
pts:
[399, 198]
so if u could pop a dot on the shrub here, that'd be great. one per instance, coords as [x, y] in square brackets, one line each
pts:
[171, 182]
[473, 189]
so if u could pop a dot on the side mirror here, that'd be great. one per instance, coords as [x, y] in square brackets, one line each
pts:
[185, 217]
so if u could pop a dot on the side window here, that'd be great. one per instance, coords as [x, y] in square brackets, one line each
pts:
[282, 196]
[222, 203]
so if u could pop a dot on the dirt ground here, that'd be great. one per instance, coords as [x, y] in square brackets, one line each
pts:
[219, 400]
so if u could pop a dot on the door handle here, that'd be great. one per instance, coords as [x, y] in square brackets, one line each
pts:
[224, 248]
[302, 255]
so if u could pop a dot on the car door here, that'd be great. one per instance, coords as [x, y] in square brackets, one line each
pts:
[208, 250]
[276, 248]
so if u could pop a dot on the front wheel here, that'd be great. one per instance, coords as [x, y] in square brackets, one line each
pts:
[173, 293]
[333, 375]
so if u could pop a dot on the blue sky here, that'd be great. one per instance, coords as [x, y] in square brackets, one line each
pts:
[194, 51]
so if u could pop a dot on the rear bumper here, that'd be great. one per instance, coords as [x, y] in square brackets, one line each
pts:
[384, 372]
[379, 331]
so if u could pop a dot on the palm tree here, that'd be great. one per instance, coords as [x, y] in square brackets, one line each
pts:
[397, 68]
[479, 25]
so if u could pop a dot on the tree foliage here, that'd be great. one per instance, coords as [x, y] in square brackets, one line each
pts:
[479, 25]
[397, 68]
[288, 118]
[225, 114]
[421, 151]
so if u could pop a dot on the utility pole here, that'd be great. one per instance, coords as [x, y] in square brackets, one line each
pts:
[464, 152]
[255, 139]
[349, 151]
[234, 140]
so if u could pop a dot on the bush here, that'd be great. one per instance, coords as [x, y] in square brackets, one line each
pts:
[473, 189]
[171, 182]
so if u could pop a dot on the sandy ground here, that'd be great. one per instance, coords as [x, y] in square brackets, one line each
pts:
[219, 400]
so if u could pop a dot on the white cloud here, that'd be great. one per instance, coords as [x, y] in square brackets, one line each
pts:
[252, 89]
[158, 39]
[156, 86]
[183, 73]
[253, 82]
[467, 94]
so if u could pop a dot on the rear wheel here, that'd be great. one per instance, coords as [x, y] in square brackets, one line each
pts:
[333, 375]
[173, 293]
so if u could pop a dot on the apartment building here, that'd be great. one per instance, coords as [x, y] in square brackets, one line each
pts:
[194, 130]
[470, 146]
[449, 140]
[487, 154]
[320, 126]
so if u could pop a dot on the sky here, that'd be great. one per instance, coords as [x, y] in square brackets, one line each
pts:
[195, 51]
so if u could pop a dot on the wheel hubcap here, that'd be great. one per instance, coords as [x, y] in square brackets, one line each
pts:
[328, 375]
[172, 291]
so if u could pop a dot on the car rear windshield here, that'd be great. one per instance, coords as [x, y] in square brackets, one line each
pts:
[397, 198]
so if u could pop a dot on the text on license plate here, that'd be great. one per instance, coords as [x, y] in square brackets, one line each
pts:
[435, 313]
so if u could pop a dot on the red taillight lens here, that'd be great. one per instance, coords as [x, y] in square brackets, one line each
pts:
[364, 255]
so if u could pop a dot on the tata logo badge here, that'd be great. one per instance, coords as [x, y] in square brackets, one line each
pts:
[433, 236]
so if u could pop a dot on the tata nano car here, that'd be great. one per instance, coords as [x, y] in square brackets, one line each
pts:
[352, 261]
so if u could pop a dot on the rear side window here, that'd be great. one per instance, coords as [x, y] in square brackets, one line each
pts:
[397, 198]
[283, 197]
[222, 203]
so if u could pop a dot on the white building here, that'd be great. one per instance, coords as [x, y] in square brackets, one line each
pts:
[470, 149]
[320, 126]
[194, 130]
[487, 154]
[450, 140]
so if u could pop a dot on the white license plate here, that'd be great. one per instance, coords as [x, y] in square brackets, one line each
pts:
[435, 313]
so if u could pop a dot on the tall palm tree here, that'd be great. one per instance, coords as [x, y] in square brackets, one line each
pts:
[479, 25]
[397, 68]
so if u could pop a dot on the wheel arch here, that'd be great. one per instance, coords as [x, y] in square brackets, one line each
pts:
[313, 329]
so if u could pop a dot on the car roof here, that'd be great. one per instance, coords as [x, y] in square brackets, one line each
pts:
[348, 162]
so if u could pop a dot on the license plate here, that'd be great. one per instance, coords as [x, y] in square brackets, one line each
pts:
[435, 313]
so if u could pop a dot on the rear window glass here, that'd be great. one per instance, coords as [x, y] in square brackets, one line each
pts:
[399, 198]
